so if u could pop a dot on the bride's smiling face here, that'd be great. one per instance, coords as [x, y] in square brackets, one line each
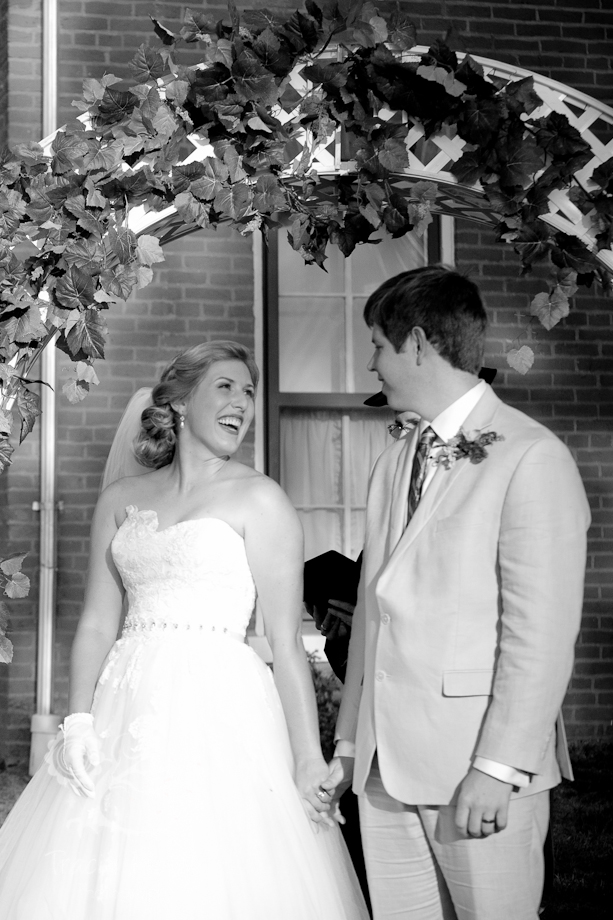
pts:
[221, 408]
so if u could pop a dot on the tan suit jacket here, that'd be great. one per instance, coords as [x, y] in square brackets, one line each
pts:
[464, 631]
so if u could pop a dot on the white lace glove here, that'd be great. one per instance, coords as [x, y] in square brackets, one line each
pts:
[81, 749]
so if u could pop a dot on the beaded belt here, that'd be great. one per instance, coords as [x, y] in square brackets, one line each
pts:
[157, 627]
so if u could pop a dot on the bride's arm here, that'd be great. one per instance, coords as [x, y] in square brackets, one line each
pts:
[274, 545]
[101, 614]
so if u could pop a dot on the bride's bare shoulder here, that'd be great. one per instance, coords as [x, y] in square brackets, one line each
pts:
[131, 490]
[258, 490]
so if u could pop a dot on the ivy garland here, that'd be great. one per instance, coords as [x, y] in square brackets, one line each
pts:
[67, 252]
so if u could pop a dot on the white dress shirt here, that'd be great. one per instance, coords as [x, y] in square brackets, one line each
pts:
[446, 425]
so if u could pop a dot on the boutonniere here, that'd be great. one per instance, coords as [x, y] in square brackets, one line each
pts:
[462, 446]
[400, 427]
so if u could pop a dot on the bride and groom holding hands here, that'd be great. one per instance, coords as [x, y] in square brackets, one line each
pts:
[461, 650]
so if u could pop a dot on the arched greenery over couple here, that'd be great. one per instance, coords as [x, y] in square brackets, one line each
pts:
[183, 766]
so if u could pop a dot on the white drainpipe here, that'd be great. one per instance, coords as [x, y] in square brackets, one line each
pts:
[45, 724]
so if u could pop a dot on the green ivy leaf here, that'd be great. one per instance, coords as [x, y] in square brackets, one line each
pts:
[210, 182]
[147, 64]
[6, 423]
[569, 252]
[557, 136]
[227, 152]
[12, 209]
[442, 76]
[6, 650]
[269, 195]
[149, 250]
[177, 90]
[479, 120]
[86, 255]
[191, 210]
[12, 565]
[69, 149]
[258, 20]
[29, 327]
[603, 176]
[393, 155]
[6, 450]
[94, 90]
[17, 586]
[118, 283]
[85, 219]
[28, 406]
[85, 335]
[75, 289]
[253, 82]
[115, 106]
[196, 27]
[521, 97]
[165, 35]
[235, 202]
[533, 243]
[521, 359]
[122, 243]
[106, 158]
[314, 11]
[550, 307]
[520, 159]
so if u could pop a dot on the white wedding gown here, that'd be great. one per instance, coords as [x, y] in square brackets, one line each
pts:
[196, 816]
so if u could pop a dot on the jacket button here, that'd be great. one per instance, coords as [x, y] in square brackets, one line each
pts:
[385, 618]
[380, 675]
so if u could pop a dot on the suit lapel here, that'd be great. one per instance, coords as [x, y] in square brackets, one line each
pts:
[443, 480]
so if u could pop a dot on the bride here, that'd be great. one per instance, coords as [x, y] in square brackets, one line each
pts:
[186, 781]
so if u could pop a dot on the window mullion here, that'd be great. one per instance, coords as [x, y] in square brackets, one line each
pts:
[346, 481]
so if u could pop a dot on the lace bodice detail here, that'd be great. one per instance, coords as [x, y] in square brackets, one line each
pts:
[193, 574]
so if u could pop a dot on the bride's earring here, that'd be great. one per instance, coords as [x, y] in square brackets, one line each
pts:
[181, 421]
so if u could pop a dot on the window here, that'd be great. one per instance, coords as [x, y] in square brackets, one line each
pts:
[322, 440]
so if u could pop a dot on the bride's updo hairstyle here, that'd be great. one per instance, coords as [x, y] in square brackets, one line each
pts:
[157, 439]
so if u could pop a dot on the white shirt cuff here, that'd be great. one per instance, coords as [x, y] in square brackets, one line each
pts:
[502, 772]
[344, 748]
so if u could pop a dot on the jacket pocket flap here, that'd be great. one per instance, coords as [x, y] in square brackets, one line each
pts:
[468, 683]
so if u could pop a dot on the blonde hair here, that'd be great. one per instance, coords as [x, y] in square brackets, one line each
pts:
[157, 439]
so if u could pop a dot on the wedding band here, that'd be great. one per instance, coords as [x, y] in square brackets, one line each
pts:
[488, 821]
[322, 792]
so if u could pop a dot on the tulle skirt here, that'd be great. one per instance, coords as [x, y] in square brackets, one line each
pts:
[195, 814]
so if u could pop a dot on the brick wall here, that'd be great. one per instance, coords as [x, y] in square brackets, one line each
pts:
[205, 290]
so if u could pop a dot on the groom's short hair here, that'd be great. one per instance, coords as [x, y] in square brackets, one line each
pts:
[444, 303]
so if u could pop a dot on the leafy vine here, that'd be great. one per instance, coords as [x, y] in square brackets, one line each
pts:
[229, 139]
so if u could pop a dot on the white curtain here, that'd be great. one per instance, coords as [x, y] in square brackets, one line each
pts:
[312, 446]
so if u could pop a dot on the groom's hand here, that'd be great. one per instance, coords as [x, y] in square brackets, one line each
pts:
[339, 779]
[483, 804]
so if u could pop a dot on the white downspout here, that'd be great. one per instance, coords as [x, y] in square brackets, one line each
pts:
[45, 724]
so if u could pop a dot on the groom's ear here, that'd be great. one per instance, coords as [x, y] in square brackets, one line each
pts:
[417, 343]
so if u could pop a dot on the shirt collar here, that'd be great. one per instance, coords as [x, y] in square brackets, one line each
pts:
[448, 422]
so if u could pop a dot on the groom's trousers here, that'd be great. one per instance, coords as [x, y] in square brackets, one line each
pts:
[421, 868]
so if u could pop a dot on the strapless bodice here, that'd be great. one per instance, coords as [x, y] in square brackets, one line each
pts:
[193, 575]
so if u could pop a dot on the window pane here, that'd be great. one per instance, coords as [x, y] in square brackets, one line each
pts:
[311, 457]
[312, 445]
[295, 277]
[311, 344]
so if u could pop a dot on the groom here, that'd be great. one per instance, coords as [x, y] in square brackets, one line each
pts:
[468, 609]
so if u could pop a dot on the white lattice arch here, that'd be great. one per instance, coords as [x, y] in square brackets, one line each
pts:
[431, 160]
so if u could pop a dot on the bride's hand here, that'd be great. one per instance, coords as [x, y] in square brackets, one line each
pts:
[310, 775]
[81, 747]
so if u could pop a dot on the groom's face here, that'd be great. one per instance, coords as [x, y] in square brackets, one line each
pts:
[395, 370]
